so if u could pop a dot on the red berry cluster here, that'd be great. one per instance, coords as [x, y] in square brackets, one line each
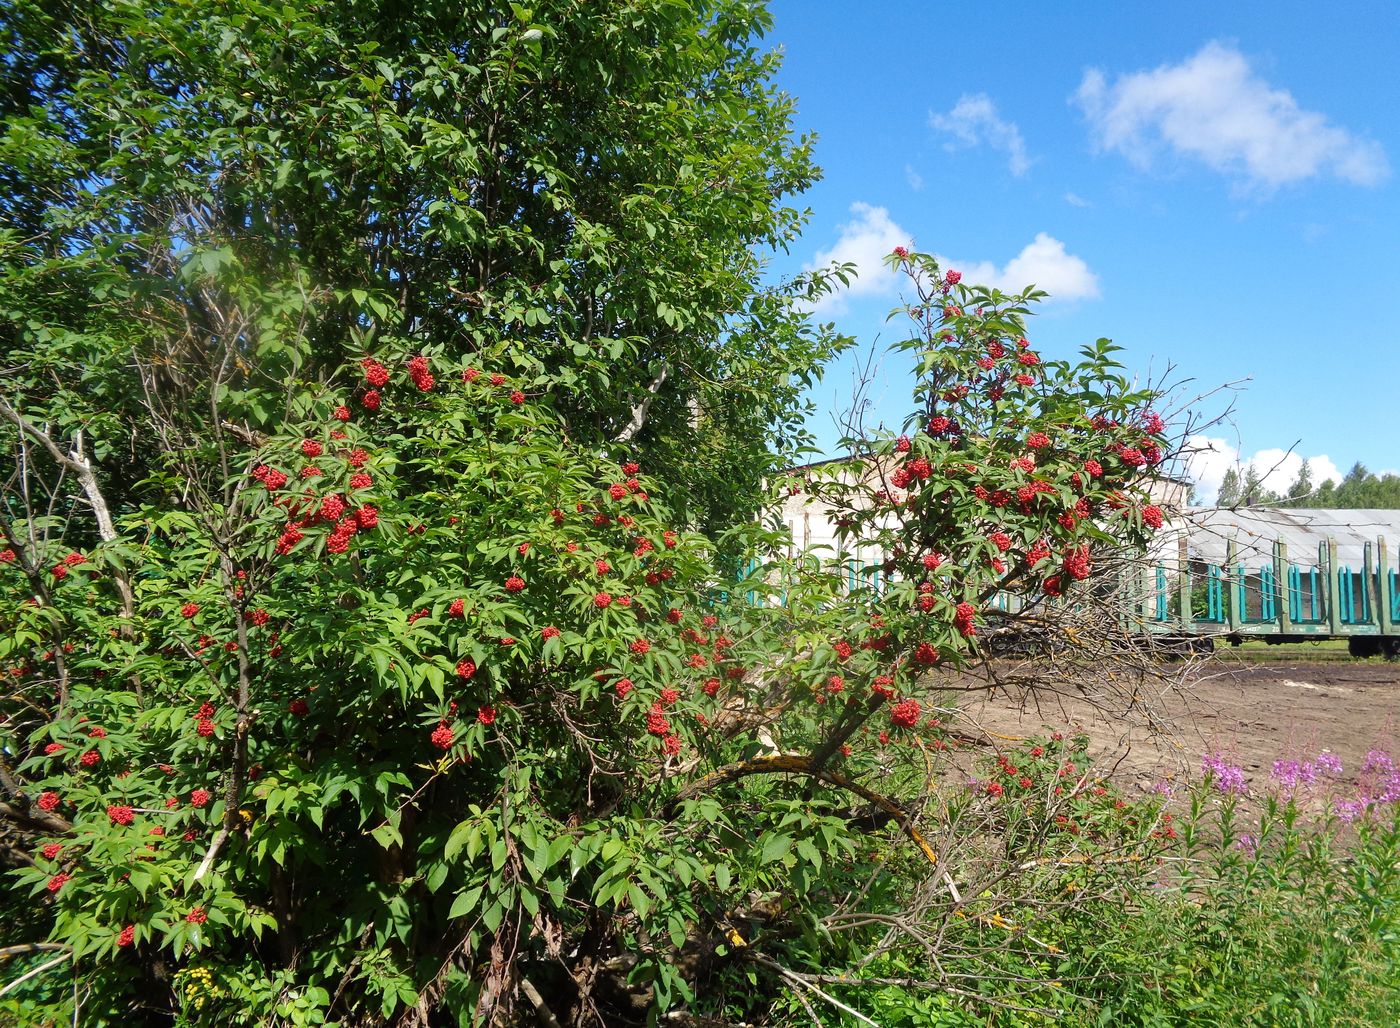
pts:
[905, 714]
[418, 371]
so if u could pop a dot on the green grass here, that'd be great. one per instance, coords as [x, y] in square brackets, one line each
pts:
[1254, 651]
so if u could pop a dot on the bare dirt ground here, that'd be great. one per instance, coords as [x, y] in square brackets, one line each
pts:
[1253, 714]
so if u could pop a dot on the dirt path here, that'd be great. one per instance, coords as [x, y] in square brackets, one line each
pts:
[1252, 714]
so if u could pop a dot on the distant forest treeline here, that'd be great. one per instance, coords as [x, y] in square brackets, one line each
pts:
[1242, 487]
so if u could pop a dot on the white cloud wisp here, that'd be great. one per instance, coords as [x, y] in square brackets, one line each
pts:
[1215, 109]
[871, 234]
[1044, 263]
[865, 241]
[974, 121]
[1211, 457]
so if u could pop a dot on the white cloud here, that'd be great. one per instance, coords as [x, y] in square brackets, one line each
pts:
[871, 234]
[974, 121]
[1075, 200]
[866, 240]
[1212, 107]
[1207, 461]
[1044, 263]
[1280, 468]
[1209, 458]
[915, 180]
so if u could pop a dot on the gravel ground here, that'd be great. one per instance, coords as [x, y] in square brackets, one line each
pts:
[1251, 714]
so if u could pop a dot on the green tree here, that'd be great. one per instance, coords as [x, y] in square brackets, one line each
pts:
[1300, 492]
[289, 185]
[379, 389]
[1252, 491]
[1388, 492]
[1231, 489]
[1356, 488]
[1360, 489]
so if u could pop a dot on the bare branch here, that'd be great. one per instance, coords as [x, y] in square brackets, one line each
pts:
[74, 461]
[639, 412]
[36, 971]
[220, 837]
[77, 462]
[803, 980]
[31, 947]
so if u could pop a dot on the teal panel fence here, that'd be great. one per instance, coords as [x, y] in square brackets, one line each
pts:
[1268, 594]
[1276, 597]
[1215, 595]
[1304, 595]
[1345, 594]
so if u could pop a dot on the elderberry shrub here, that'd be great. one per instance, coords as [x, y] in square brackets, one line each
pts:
[423, 677]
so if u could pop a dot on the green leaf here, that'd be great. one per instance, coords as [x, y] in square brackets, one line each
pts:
[387, 835]
[775, 847]
[462, 835]
[465, 903]
[640, 901]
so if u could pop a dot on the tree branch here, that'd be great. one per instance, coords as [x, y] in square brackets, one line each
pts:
[547, 1017]
[31, 947]
[802, 980]
[78, 463]
[22, 812]
[38, 819]
[639, 412]
[220, 837]
[797, 764]
[36, 971]
[75, 462]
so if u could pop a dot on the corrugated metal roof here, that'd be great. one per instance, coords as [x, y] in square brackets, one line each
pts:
[1302, 529]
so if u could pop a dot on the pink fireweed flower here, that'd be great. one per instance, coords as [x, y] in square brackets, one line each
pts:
[1294, 773]
[1348, 811]
[1228, 778]
[1328, 762]
[1377, 761]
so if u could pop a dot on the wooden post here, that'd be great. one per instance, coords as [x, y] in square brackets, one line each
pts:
[1147, 584]
[1285, 613]
[1383, 597]
[1183, 585]
[1236, 615]
[1329, 591]
[1368, 589]
[1123, 599]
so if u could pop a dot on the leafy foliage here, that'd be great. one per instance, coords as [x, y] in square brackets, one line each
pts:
[471, 682]
[388, 396]
[304, 182]
[1359, 489]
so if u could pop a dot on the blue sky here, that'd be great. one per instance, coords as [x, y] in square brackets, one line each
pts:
[1216, 187]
